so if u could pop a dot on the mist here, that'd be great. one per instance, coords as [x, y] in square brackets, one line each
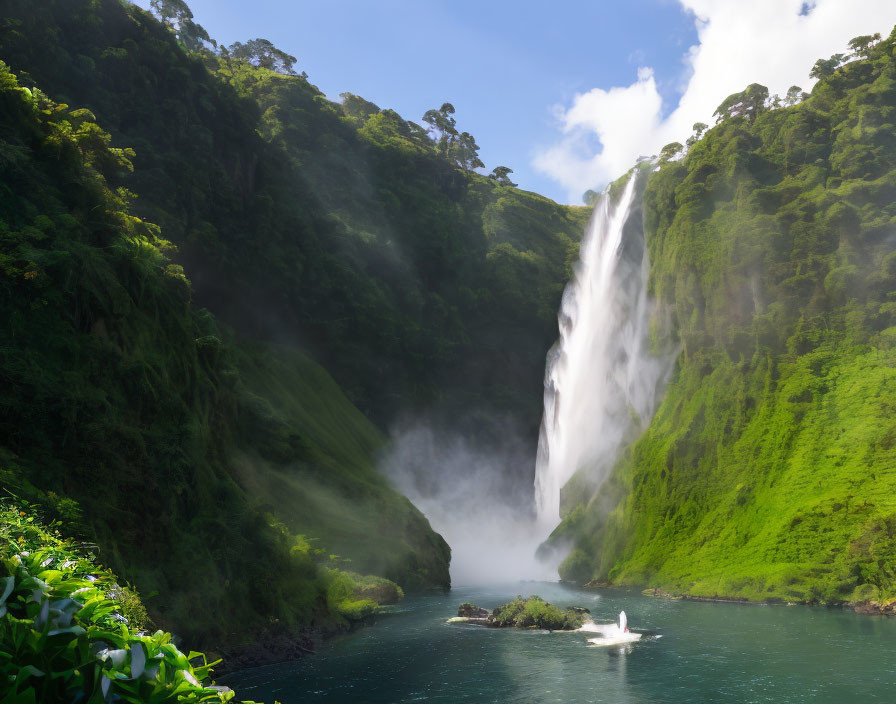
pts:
[469, 492]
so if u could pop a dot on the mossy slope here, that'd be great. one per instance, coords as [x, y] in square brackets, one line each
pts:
[768, 470]
[124, 406]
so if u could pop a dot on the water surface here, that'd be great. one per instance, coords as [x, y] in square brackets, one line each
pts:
[707, 652]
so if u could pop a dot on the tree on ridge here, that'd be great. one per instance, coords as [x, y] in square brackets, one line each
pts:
[262, 53]
[861, 46]
[178, 17]
[824, 68]
[747, 104]
[501, 174]
[460, 148]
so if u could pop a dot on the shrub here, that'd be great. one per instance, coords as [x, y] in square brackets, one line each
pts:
[63, 637]
[535, 612]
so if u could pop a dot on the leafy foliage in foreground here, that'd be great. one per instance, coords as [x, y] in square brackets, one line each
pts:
[768, 470]
[65, 634]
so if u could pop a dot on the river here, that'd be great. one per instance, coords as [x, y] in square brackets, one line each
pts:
[698, 652]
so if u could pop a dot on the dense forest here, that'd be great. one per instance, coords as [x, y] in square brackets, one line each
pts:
[187, 237]
[128, 416]
[364, 238]
[767, 471]
[221, 290]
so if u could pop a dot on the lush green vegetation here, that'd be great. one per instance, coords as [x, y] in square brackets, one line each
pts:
[421, 285]
[69, 632]
[128, 416]
[535, 612]
[218, 467]
[767, 472]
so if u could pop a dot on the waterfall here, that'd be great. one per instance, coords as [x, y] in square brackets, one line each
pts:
[601, 380]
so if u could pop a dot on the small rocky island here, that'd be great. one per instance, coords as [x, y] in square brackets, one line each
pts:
[533, 612]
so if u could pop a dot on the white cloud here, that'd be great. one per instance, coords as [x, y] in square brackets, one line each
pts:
[763, 41]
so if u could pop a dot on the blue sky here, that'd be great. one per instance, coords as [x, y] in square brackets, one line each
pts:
[566, 93]
[504, 65]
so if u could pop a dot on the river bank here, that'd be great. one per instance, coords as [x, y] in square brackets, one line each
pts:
[873, 608]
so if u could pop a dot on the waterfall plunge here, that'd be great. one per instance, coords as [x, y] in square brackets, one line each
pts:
[601, 382]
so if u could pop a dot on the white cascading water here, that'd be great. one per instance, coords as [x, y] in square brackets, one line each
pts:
[601, 380]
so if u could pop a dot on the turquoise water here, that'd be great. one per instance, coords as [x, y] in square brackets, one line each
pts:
[705, 652]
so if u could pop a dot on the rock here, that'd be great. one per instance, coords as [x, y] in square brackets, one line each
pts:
[471, 620]
[875, 608]
[467, 610]
[662, 594]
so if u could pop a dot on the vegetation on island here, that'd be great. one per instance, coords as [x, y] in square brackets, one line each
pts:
[532, 612]
[535, 612]
[767, 471]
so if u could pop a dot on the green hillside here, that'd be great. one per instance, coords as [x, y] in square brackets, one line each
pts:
[767, 472]
[192, 244]
[421, 285]
[127, 413]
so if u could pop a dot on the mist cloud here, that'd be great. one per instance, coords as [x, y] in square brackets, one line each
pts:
[772, 42]
[465, 490]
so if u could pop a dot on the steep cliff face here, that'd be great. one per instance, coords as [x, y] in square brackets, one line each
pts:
[768, 470]
[128, 415]
[165, 395]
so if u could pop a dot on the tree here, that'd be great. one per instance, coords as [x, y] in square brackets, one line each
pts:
[442, 122]
[747, 104]
[418, 132]
[465, 152]
[699, 128]
[590, 198]
[794, 95]
[670, 151]
[178, 17]
[861, 46]
[171, 12]
[194, 37]
[355, 106]
[262, 53]
[501, 174]
[459, 148]
[824, 68]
